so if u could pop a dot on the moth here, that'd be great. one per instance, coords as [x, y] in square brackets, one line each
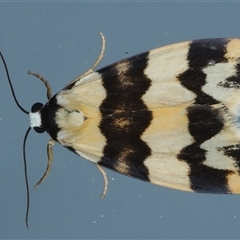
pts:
[169, 116]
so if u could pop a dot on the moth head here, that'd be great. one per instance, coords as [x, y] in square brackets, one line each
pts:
[35, 118]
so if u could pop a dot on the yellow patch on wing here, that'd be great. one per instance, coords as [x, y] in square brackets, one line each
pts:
[168, 132]
[233, 49]
[164, 66]
[162, 168]
[234, 182]
[166, 136]
[86, 139]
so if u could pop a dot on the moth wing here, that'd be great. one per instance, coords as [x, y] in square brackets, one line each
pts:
[163, 117]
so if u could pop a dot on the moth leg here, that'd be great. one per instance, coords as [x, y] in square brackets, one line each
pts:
[104, 174]
[49, 90]
[100, 57]
[50, 160]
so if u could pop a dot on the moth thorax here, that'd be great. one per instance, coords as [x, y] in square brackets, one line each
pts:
[66, 118]
[35, 119]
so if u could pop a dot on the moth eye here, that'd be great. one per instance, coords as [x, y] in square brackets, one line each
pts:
[39, 129]
[36, 107]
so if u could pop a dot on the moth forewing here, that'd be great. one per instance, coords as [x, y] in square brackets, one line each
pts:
[167, 116]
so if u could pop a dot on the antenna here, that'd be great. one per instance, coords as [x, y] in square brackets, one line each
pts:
[25, 137]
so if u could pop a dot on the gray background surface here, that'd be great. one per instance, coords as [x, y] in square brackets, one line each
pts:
[60, 40]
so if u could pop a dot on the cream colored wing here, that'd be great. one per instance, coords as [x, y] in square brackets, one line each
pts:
[168, 116]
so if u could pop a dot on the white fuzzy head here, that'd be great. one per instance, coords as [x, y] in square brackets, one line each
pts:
[35, 119]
